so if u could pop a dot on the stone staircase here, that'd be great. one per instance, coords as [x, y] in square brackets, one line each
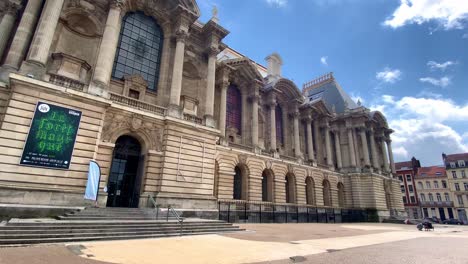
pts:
[94, 224]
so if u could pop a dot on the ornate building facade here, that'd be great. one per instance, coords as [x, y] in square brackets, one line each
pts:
[164, 113]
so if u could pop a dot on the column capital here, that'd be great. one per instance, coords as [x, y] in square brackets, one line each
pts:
[12, 8]
[181, 35]
[388, 140]
[295, 114]
[212, 51]
[224, 84]
[120, 4]
[272, 104]
[254, 98]
[308, 119]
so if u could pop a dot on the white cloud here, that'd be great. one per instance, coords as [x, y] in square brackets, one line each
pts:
[448, 13]
[442, 82]
[357, 98]
[422, 127]
[324, 60]
[388, 75]
[440, 66]
[277, 3]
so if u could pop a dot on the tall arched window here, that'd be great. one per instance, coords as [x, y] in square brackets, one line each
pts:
[341, 195]
[326, 193]
[267, 186]
[139, 49]
[290, 188]
[279, 124]
[238, 184]
[423, 197]
[234, 108]
[310, 191]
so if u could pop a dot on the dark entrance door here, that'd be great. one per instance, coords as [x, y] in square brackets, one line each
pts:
[124, 179]
[450, 212]
[442, 214]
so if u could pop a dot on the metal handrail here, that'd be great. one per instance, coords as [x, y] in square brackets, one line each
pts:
[156, 206]
[169, 208]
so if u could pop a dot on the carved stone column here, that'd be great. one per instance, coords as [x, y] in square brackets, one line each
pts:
[42, 40]
[210, 87]
[23, 35]
[384, 154]
[107, 50]
[390, 155]
[339, 162]
[317, 141]
[272, 106]
[254, 100]
[375, 158]
[297, 142]
[286, 131]
[328, 147]
[310, 144]
[177, 70]
[365, 148]
[6, 25]
[222, 109]
[352, 156]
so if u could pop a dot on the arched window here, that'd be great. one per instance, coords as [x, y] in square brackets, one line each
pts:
[216, 180]
[447, 197]
[423, 197]
[439, 197]
[420, 185]
[279, 124]
[326, 193]
[341, 195]
[310, 191]
[267, 186]
[234, 108]
[431, 197]
[290, 188]
[139, 49]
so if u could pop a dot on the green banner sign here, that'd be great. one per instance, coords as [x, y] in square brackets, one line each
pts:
[51, 137]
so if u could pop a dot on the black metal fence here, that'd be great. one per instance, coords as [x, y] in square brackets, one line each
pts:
[252, 212]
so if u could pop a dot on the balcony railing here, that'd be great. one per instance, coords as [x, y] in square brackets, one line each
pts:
[193, 119]
[66, 82]
[440, 204]
[127, 101]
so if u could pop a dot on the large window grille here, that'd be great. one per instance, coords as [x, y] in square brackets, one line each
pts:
[139, 49]
[234, 108]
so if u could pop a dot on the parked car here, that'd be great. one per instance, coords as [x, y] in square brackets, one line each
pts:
[431, 219]
[452, 221]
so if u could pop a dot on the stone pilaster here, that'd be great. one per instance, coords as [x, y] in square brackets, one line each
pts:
[272, 107]
[365, 148]
[42, 40]
[317, 140]
[297, 142]
[310, 145]
[222, 109]
[6, 25]
[339, 162]
[107, 50]
[210, 87]
[352, 155]
[390, 155]
[23, 35]
[286, 131]
[176, 85]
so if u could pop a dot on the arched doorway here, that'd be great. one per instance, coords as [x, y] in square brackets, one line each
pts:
[240, 183]
[341, 195]
[326, 193]
[310, 191]
[267, 186]
[290, 188]
[125, 173]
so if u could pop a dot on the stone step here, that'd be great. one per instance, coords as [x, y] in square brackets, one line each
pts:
[112, 233]
[97, 238]
[102, 217]
[32, 222]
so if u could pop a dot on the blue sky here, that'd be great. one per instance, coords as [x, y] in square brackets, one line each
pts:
[406, 58]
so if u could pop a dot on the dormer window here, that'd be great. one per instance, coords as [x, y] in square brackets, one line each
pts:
[452, 165]
[461, 163]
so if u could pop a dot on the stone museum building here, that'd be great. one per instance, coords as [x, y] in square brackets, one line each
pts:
[169, 110]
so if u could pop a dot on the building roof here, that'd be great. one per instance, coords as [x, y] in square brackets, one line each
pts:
[404, 165]
[456, 157]
[431, 172]
[328, 89]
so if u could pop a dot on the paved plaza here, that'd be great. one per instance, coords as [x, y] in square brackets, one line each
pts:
[267, 243]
